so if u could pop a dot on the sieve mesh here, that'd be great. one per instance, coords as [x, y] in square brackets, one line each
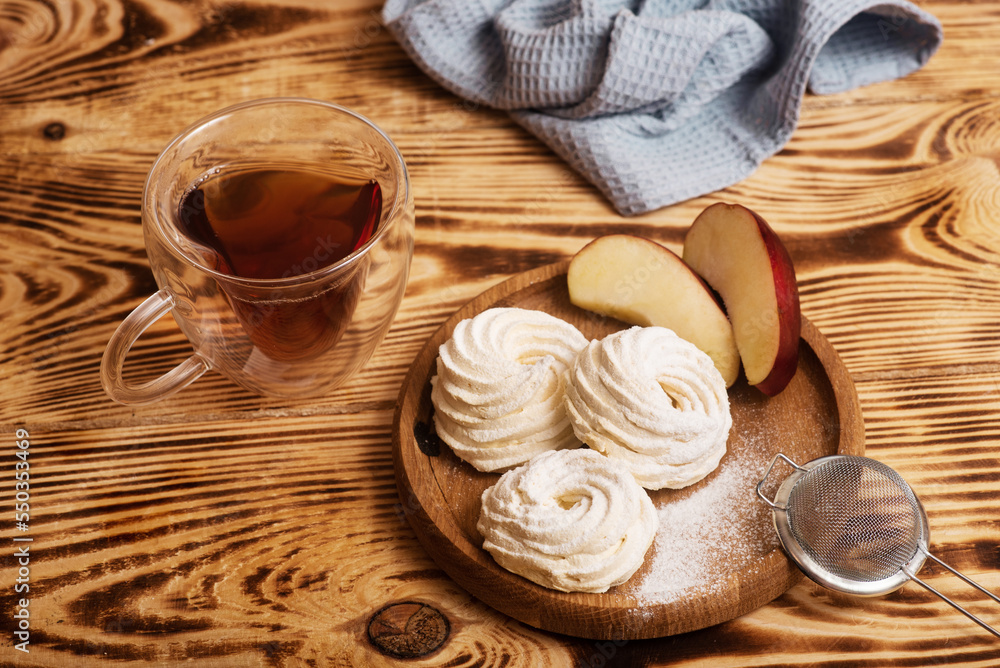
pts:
[854, 525]
[856, 518]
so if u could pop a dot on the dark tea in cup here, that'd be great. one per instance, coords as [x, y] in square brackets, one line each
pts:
[279, 233]
[269, 223]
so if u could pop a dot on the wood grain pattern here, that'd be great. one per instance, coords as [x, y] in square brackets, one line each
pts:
[220, 529]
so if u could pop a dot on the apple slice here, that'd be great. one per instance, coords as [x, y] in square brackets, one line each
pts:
[643, 283]
[740, 256]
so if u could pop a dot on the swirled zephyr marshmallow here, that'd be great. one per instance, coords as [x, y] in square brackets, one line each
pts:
[499, 390]
[649, 398]
[572, 520]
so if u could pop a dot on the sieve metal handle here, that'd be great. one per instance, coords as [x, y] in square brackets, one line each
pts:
[950, 602]
[760, 484]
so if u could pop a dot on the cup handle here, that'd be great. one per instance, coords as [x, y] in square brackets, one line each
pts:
[138, 321]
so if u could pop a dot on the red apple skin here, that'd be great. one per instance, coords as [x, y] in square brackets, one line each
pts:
[786, 295]
[786, 289]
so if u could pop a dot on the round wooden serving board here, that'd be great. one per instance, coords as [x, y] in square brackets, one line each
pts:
[716, 555]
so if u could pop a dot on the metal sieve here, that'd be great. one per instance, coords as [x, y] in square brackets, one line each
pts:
[852, 524]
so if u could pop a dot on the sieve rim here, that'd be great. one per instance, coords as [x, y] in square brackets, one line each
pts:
[812, 568]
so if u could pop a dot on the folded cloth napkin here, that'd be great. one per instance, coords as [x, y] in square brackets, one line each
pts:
[658, 101]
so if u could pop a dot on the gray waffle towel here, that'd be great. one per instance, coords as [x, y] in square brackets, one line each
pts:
[658, 101]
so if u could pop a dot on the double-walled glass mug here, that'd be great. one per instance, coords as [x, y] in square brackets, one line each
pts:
[280, 234]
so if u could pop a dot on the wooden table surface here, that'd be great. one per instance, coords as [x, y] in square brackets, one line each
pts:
[218, 528]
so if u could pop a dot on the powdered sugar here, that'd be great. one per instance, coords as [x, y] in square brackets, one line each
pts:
[709, 533]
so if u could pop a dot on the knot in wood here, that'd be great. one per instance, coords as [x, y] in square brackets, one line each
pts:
[408, 630]
[54, 131]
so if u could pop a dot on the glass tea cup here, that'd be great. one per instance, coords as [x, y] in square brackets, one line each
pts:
[280, 234]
